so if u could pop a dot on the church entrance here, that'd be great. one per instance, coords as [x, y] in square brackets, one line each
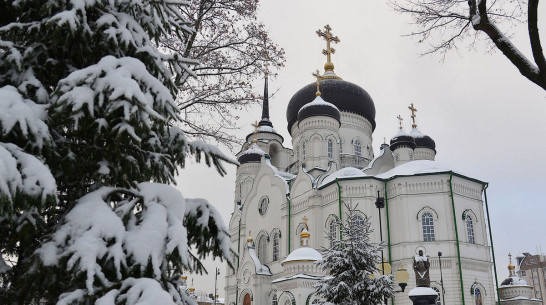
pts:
[246, 300]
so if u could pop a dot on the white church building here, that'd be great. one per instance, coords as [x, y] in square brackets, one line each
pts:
[286, 201]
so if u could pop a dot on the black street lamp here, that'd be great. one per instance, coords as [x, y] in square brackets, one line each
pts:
[441, 277]
[379, 204]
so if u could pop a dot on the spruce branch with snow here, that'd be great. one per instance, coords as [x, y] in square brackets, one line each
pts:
[351, 263]
[445, 24]
[90, 138]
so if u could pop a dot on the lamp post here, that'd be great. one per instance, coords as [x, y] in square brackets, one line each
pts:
[379, 204]
[441, 277]
[217, 272]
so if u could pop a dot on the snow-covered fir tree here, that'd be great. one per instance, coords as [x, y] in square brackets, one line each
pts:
[88, 145]
[351, 263]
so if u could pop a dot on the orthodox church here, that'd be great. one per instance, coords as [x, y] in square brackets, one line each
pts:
[287, 200]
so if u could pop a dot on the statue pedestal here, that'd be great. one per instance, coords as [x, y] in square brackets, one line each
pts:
[423, 296]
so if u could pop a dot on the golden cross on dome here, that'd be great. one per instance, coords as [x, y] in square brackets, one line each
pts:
[305, 219]
[316, 74]
[400, 119]
[413, 111]
[329, 37]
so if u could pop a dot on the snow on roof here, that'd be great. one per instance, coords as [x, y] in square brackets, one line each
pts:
[303, 254]
[346, 172]
[416, 133]
[516, 281]
[414, 168]
[318, 101]
[417, 291]
[283, 175]
[266, 128]
[401, 132]
[253, 149]
[297, 276]
[260, 269]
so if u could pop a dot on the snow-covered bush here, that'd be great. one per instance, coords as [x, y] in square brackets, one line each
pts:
[90, 138]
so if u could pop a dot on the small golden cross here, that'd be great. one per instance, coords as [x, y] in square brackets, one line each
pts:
[327, 35]
[413, 111]
[318, 77]
[400, 119]
[305, 219]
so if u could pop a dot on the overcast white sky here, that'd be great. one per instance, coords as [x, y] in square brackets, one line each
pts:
[488, 121]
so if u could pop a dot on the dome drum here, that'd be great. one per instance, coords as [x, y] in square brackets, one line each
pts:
[403, 140]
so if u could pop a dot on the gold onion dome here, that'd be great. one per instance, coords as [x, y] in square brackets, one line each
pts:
[305, 234]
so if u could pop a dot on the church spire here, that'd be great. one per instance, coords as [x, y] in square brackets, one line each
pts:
[265, 121]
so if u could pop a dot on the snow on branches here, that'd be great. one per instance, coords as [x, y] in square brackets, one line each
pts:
[352, 265]
[129, 238]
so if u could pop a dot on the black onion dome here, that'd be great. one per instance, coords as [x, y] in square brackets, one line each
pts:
[253, 154]
[422, 141]
[319, 107]
[402, 138]
[345, 95]
[507, 281]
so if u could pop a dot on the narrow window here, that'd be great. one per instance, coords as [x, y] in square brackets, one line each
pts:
[303, 151]
[428, 227]
[275, 247]
[297, 153]
[470, 230]
[262, 249]
[330, 149]
[359, 225]
[358, 149]
[340, 148]
[274, 301]
[333, 231]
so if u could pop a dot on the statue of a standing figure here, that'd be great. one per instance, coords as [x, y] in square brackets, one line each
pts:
[421, 266]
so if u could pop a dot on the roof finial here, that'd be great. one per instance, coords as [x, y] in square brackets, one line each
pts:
[400, 119]
[413, 111]
[318, 77]
[329, 37]
[305, 219]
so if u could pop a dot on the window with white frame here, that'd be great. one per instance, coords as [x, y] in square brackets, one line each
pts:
[275, 246]
[358, 148]
[330, 149]
[470, 229]
[333, 232]
[359, 223]
[428, 227]
[262, 246]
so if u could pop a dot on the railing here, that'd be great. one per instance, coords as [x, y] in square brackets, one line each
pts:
[354, 161]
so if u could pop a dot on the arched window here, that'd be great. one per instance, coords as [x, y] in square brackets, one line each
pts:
[478, 296]
[262, 249]
[340, 147]
[428, 227]
[358, 148]
[303, 151]
[470, 229]
[274, 300]
[275, 247]
[330, 149]
[333, 233]
[359, 224]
